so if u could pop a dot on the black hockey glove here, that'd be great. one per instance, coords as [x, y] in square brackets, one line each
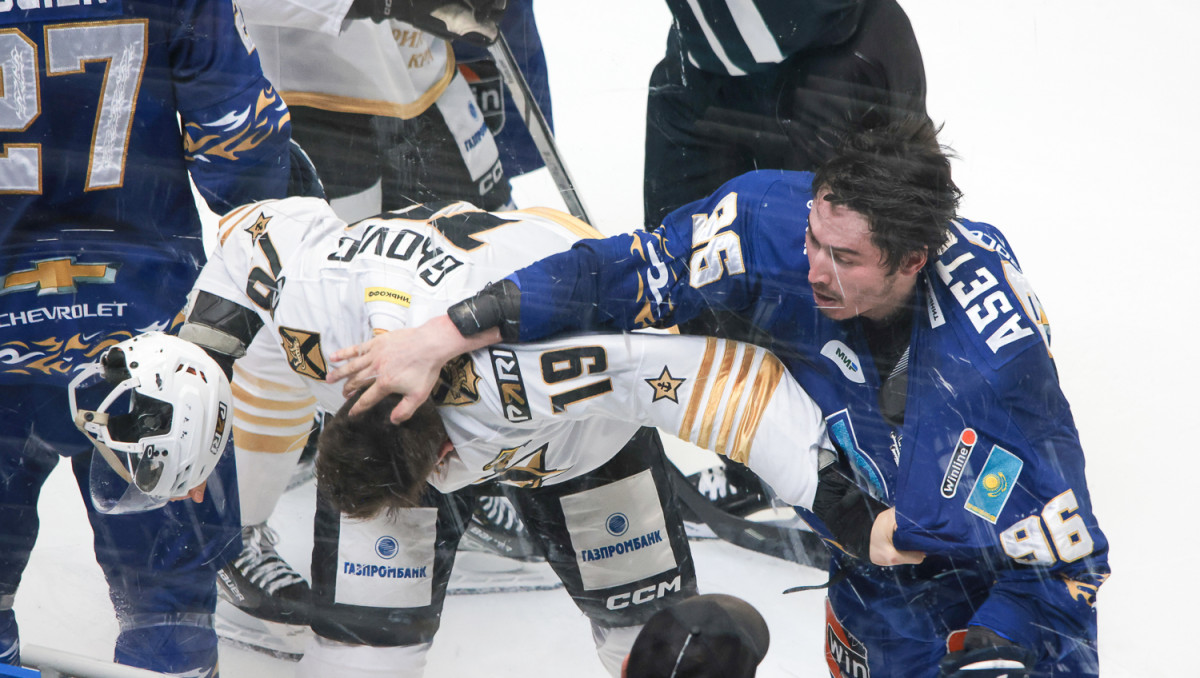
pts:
[475, 21]
[987, 654]
[497, 305]
[845, 508]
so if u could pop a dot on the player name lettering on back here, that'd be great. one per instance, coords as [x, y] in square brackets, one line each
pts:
[984, 299]
[433, 263]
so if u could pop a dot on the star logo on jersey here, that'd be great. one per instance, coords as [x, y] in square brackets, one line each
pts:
[259, 227]
[303, 351]
[458, 384]
[665, 386]
[58, 276]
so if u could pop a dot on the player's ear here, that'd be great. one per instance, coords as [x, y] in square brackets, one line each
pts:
[446, 448]
[912, 262]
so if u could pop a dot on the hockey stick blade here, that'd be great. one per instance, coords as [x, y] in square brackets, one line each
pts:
[798, 546]
[538, 128]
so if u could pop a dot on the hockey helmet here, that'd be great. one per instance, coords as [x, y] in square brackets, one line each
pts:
[161, 425]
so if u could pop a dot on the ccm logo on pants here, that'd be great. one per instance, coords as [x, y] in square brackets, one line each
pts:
[643, 595]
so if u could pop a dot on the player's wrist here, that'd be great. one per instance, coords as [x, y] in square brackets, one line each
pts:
[447, 340]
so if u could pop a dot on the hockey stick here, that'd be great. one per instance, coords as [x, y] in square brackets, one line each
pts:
[798, 546]
[538, 128]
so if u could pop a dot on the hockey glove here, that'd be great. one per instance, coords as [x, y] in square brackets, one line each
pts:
[845, 508]
[475, 21]
[987, 654]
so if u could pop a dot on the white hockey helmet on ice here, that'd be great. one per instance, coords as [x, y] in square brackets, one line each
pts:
[161, 425]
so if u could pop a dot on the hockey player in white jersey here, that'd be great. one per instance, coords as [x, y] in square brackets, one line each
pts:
[379, 105]
[295, 271]
[314, 285]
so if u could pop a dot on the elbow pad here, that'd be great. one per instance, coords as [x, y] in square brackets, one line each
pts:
[497, 305]
[221, 327]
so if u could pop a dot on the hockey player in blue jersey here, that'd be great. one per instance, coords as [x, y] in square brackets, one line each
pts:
[100, 239]
[927, 351]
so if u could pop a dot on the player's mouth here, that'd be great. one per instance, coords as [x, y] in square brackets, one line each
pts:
[824, 299]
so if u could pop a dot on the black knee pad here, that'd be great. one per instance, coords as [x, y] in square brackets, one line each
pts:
[382, 582]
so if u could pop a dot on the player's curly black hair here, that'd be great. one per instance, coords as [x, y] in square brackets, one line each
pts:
[367, 465]
[897, 176]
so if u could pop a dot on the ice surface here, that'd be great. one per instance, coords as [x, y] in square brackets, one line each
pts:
[1075, 127]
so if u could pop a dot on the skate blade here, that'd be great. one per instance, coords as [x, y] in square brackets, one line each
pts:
[238, 629]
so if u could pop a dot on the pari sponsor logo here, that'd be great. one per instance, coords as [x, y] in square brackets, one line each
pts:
[845, 359]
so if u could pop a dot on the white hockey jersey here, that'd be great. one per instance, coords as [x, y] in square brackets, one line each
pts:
[526, 415]
[542, 413]
[317, 59]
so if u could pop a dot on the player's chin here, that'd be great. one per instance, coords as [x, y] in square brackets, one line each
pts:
[834, 309]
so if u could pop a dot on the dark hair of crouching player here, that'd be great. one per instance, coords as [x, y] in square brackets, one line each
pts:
[368, 465]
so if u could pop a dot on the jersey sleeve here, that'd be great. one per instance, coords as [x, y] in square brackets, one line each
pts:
[706, 255]
[236, 127]
[254, 242]
[729, 397]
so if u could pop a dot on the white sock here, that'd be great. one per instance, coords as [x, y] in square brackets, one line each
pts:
[262, 479]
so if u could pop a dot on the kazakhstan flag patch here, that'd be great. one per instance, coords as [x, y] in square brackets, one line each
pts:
[994, 484]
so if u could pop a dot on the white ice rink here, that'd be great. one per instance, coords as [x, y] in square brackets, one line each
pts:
[1076, 126]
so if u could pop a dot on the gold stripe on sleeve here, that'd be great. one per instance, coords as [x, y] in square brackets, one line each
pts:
[769, 374]
[272, 421]
[710, 352]
[714, 398]
[271, 444]
[273, 404]
[255, 381]
[735, 399]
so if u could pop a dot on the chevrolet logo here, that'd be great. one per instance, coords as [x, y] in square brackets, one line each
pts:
[58, 276]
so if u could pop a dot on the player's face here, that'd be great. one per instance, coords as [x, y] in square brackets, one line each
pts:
[846, 270]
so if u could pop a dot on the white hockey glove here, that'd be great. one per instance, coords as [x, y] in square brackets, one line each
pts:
[475, 21]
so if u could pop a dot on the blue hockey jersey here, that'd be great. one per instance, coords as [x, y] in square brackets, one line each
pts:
[106, 106]
[985, 471]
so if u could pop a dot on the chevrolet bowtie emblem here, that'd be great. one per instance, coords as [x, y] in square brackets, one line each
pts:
[58, 276]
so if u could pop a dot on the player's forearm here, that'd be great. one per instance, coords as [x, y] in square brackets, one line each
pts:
[614, 284]
[445, 340]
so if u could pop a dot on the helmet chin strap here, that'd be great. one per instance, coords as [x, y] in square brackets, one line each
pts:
[84, 417]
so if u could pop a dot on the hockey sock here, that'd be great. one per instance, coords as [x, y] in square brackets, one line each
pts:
[262, 479]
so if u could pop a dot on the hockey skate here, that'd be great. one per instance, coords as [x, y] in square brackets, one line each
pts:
[496, 554]
[263, 603]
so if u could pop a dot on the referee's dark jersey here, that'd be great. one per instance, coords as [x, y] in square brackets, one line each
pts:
[742, 36]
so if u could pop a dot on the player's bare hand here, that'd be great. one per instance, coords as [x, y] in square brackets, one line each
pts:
[405, 361]
[399, 361]
[883, 550]
[196, 494]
